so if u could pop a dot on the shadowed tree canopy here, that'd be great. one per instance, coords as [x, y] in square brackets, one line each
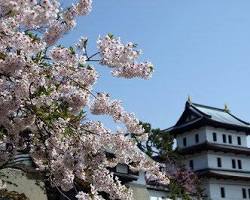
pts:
[160, 147]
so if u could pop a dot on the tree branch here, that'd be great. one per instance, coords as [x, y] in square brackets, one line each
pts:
[89, 58]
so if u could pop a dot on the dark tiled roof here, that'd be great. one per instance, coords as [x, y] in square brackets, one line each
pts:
[197, 115]
[224, 174]
[219, 115]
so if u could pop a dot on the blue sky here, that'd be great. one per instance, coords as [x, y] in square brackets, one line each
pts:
[199, 48]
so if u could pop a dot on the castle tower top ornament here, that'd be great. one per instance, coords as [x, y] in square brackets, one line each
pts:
[189, 99]
[226, 108]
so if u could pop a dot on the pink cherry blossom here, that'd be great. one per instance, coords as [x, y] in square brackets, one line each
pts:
[45, 90]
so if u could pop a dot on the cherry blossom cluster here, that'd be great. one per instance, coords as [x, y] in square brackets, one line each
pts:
[62, 55]
[186, 179]
[31, 13]
[132, 70]
[84, 196]
[105, 181]
[45, 90]
[84, 7]
[82, 43]
[66, 21]
[15, 40]
[103, 105]
[2, 185]
[122, 58]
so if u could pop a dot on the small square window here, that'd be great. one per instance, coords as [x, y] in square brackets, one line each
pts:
[219, 162]
[197, 138]
[239, 164]
[191, 164]
[244, 193]
[214, 137]
[230, 139]
[122, 168]
[233, 164]
[184, 141]
[239, 140]
[222, 192]
[224, 138]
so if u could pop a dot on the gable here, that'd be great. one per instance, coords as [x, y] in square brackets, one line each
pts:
[187, 116]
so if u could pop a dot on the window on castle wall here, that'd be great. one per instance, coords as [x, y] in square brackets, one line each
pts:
[239, 140]
[184, 141]
[244, 193]
[239, 164]
[230, 139]
[219, 162]
[122, 168]
[249, 193]
[196, 138]
[222, 192]
[224, 138]
[158, 198]
[191, 164]
[233, 163]
[214, 137]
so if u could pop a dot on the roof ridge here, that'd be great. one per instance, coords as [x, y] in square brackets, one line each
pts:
[245, 122]
[209, 107]
[195, 105]
[219, 109]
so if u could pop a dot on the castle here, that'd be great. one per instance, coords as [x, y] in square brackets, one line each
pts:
[213, 142]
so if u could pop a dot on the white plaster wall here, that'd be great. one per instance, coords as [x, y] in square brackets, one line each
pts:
[191, 137]
[141, 192]
[200, 161]
[141, 179]
[209, 160]
[226, 161]
[206, 135]
[18, 181]
[157, 195]
[219, 132]
[233, 189]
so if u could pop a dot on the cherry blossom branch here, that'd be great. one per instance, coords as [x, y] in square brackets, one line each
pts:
[93, 60]
[59, 190]
[89, 58]
[47, 94]
[81, 86]
[6, 76]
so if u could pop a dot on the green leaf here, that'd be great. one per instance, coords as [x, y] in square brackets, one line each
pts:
[111, 36]
[33, 36]
[2, 56]
[81, 65]
[72, 50]
[135, 45]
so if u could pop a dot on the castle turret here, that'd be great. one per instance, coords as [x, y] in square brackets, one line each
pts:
[214, 144]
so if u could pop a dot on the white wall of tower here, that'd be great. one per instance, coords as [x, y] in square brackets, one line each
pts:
[226, 161]
[233, 189]
[206, 135]
[200, 161]
[206, 160]
[219, 132]
[190, 137]
[209, 160]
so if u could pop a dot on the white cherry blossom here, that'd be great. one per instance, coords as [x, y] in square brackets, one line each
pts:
[45, 90]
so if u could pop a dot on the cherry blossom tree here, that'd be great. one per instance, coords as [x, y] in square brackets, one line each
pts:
[184, 183]
[44, 90]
